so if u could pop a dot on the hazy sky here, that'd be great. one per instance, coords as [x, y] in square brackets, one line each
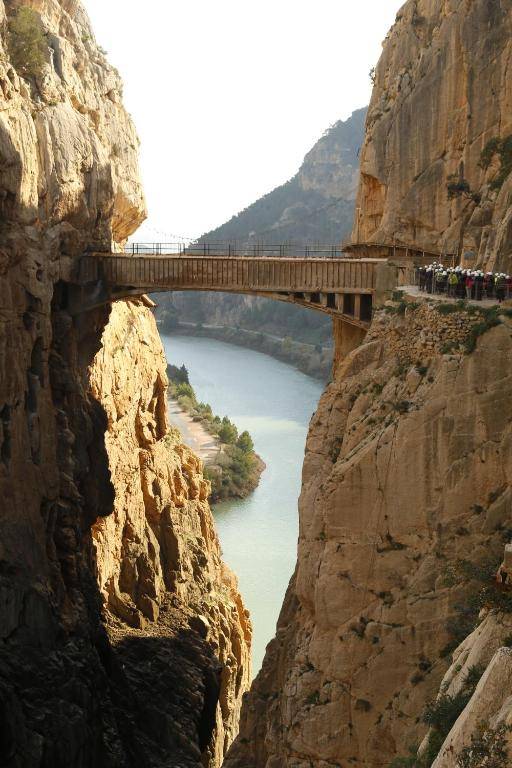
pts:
[229, 95]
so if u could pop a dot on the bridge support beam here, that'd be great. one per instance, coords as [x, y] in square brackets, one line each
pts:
[386, 281]
[347, 337]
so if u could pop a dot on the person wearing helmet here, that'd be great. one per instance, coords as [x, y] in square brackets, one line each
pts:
[479, 285]
[488, 285]
[470, 282]
[429, 279]
[453, 282]
[508, 282]
[500, 286]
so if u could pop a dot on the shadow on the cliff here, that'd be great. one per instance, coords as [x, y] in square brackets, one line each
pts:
[164, 690]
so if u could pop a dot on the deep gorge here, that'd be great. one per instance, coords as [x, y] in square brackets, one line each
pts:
[124, 639]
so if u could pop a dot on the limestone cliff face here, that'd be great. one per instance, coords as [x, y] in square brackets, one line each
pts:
[442, 93]
[487, 648]
[157, 556]
[146, 680]
[408, 468]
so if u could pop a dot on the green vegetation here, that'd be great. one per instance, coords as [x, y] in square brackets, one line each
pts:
[488, 748]
[28, 47]
[450, 309]
[178, 375]
[485, 317]
[412, 761]
[459, 187]
[238, 467]
[440, 715]
[502, 148]
[481, 591]
[490, 320]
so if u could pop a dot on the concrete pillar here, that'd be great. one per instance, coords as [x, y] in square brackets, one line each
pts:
[347, 337]
[386, 281]
[357, 306]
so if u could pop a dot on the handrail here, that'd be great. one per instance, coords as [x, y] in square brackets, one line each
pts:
[349, 246]
[258, 250]
[277, 250]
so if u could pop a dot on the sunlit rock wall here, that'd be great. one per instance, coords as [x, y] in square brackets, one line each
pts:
[442, 92]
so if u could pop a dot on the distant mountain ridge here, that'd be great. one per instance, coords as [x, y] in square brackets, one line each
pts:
[317, 204]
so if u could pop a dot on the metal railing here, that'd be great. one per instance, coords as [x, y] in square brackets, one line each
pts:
[397, 249]
[258, 250]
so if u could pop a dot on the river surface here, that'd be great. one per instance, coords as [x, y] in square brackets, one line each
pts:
[274, 402]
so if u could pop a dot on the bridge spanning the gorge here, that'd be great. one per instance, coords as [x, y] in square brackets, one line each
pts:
[329, 279]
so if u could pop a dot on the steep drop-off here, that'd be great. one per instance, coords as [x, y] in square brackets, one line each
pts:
[408, 465]
[442, 97]
[122, 637]
[408, 469]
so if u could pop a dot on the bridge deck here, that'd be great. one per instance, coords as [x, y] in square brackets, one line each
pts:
[342, 287]
[237, 274]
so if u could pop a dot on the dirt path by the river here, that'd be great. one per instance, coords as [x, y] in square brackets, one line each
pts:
[194, 434]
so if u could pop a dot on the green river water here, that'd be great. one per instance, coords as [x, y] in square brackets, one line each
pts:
[274, 402]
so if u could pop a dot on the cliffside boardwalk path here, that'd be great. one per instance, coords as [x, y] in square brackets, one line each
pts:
[344, 282]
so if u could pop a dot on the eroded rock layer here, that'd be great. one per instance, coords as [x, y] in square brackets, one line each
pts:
[442, 97]
[408, 469]
[157, 557]
[128, 645]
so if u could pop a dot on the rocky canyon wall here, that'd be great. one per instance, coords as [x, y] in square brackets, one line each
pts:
[408, 470]
[407, 474]
[122, 637]
[442, 97]
[173, 614]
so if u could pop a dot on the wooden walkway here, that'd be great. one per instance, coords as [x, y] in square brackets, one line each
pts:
[343, 287]
[320, 277]
[409, 253]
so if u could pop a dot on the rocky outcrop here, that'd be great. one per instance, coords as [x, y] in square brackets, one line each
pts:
[491, 704]
[119, 638]
[442, 96]
[157, 557]
[407, 470]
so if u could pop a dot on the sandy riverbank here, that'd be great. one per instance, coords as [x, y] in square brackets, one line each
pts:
[205, 445]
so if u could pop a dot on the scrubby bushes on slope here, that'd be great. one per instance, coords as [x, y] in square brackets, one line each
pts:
[238, 468]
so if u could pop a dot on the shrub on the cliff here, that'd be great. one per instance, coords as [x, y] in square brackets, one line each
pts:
[448, 309]
[411, 761]
[228, 433]
[481, 591]
[491, 319]
[183, 389]
[441, 715]
[458, 187]
[502, 148]
[178, 375]
[245, 443]
[488, 748]
[485, 592]
[28, 47]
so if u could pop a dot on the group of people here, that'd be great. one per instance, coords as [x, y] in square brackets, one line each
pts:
[459, 283]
